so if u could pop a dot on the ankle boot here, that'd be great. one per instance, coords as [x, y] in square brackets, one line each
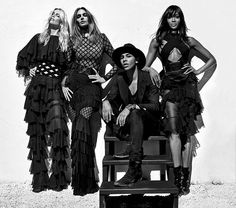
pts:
[186, 181]
[178, 179]
[123, 154]
[133, 174]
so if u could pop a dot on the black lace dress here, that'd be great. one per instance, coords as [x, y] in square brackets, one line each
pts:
[86, 102]
[181, 102]
[45, 113]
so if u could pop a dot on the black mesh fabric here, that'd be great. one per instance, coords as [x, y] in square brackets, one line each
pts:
[89, 55]
[86, 112]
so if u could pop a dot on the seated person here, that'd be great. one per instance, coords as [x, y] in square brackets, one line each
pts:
[131, 107]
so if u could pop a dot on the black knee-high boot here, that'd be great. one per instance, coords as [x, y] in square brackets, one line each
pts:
[186, 181]
[179, 179]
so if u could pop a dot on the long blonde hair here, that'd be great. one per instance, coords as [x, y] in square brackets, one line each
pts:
[94, 33]
[63, 30]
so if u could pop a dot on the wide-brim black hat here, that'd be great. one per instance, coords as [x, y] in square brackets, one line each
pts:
[129, 48]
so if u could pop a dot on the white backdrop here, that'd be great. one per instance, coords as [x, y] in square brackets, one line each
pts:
[211, 22]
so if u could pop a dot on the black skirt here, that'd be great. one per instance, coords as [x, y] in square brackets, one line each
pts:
[85, 94]
[47, 126]
[184, 93]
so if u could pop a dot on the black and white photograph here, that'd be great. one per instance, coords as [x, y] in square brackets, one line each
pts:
[117, 104]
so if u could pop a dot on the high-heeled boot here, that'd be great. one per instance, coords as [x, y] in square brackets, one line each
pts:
[186, 181]
[178, 179]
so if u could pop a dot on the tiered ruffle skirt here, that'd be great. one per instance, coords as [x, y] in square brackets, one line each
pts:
[84, 133]
[49, 135]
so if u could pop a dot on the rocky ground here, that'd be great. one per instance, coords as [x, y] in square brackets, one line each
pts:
[19, 195]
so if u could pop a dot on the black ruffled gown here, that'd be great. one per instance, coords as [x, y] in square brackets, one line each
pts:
[179, 90]
[86, 102]
[45, 114]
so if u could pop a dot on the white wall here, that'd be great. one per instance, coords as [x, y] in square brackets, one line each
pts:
[211, 22]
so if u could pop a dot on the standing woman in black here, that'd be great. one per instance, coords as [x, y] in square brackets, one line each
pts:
[44, 60]
[181, 103]
[89, 46]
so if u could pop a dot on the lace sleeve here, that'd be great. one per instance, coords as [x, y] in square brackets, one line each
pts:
[108, 49]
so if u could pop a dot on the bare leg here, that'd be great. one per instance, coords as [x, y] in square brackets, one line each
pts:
[175, 142]
[186, 155]
[175, 147]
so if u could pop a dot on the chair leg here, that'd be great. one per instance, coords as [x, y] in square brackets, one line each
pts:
[105, 173]
[163, 175]
[176, 201]
[102, 201]
[170, 173]
[112, 173]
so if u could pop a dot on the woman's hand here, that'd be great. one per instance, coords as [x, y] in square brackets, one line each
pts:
[122, 117]
[32, 71]
[189, 69]
[154, 75]
[66, 90]
[96, 77]
[67, 93]
[106, 111]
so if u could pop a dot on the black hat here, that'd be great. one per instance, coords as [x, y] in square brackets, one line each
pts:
[129, 48]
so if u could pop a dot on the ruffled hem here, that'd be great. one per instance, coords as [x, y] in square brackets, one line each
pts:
[40, 181]
[199, 121]
[194, 145]
[189, 107]
[83, 157]
[27, 57]
[47, 127]
[38, 168]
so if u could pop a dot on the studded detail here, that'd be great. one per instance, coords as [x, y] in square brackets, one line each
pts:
[47, 70]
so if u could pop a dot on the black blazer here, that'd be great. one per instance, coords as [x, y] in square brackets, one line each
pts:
[147, 93]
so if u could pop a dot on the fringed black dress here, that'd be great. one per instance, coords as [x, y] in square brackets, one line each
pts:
[86, 102]
[45, 113]
[181, 102]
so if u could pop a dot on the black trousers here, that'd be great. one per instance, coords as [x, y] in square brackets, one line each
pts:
[138, 126]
